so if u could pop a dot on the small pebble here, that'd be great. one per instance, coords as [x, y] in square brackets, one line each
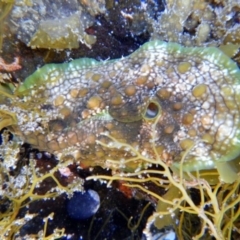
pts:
[83, 205]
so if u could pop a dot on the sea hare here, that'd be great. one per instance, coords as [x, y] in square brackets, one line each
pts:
[194, 94]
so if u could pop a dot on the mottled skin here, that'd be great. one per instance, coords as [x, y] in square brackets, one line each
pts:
[192, 93]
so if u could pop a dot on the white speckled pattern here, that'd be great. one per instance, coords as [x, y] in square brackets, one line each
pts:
[194, 92]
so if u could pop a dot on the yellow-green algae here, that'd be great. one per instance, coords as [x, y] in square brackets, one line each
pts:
[21, 190]
[5, 8]
[41, 24]
[196, 23]
[194, 92]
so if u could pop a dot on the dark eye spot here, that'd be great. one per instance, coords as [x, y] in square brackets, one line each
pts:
[152, 110]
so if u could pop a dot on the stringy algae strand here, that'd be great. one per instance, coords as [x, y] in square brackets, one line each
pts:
[190, 94]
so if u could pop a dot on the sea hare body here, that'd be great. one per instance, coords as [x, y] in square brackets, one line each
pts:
[193, 93]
